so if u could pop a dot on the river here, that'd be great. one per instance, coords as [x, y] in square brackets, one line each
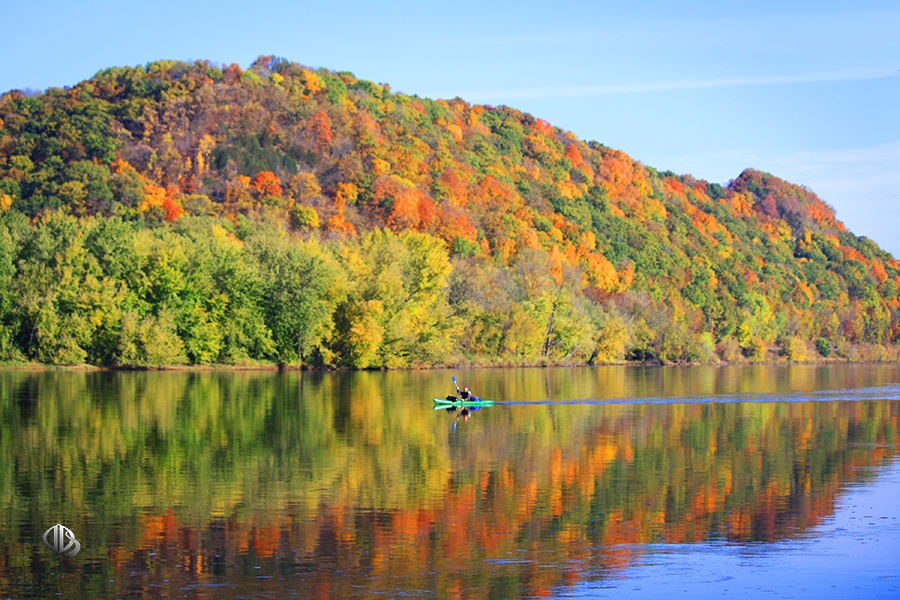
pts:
[601, 482]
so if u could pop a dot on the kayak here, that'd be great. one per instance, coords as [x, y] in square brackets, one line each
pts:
[444, 403]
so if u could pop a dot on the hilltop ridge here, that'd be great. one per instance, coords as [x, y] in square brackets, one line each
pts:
[171, 212]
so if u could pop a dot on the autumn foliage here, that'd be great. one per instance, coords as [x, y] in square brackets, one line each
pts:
[633, 262]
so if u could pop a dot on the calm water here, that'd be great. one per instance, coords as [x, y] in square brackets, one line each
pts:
[705, 482]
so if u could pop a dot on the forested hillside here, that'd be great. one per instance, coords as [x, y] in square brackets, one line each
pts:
[187, 213]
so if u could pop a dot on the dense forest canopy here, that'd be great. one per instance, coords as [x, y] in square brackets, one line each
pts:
[195, 213]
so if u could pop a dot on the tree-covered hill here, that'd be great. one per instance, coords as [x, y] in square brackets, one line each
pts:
[192, 213]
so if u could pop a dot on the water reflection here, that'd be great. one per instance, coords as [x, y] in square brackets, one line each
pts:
[186, 484]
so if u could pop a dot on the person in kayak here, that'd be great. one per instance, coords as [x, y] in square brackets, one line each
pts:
[466, 395]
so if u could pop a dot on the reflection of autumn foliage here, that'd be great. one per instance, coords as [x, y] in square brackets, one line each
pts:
[328, 485]
[556, 509]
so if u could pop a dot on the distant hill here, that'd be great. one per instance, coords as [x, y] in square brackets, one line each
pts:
[194, 213]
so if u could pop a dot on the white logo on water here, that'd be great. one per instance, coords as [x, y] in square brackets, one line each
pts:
[63, 541]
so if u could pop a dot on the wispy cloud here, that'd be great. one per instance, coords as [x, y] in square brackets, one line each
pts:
[682, 84]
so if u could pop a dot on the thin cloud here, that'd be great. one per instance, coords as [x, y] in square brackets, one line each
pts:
[685, 84]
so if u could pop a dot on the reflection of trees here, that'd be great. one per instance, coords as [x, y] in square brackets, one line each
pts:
[336, 482]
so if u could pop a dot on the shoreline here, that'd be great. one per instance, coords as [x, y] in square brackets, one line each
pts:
[35, 366]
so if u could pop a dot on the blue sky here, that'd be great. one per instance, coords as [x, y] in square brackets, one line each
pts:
[806, 90]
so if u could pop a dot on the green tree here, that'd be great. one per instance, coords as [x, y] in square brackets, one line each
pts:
[301, 286]
[68, 306]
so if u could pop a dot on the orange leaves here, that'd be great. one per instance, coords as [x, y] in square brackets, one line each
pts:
[403, 205]
[600, 273]
[626, 277]
[367, 131]
[450, 186]
[387, 187]
[739, 205]
[673, 186]
[344, 193]
[802, 295]
[822, 213]
[495, 195]
[427, 212]
[267, 183]
[154, 196]
[339, 224]
[404, 213]
[452, 222]
[475, 126]
[121, 166]
[878, 271]
[380, 167]
[311, 81]
[453, 127]
[617, 212]
[162, 201]
[172, 208]
[626, 185]
[320, 125]
[616, 170]
[708, 225]
[556, 263]
[574, 156]
[852, 254]
[528, 237]
[412, 209]
[542, 126]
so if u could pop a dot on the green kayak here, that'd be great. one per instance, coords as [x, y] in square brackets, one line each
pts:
[444, 403]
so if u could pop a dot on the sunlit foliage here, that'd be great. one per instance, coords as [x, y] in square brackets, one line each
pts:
[560, 250]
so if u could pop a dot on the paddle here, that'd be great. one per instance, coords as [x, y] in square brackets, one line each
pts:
[458, 395]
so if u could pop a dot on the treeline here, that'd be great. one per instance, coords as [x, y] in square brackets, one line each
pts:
[307, 217]
[210, 290]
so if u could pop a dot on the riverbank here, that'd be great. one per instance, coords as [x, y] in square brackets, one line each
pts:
[857, 354]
